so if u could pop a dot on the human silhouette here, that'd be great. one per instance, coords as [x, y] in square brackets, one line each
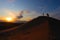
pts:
[47, 15]
[43, 14]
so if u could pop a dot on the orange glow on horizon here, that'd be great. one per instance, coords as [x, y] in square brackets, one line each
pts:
[9, 19]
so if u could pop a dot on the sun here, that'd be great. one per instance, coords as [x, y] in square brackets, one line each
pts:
[9, 19]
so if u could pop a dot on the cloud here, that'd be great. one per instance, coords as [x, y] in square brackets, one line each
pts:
[31, 15]
[14, 13]
[27, 15]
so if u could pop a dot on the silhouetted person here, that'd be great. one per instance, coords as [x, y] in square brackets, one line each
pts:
[47, 15]
[43, 14]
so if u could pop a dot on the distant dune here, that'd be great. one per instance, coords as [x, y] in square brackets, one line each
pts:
[7, 25]
[40, 28]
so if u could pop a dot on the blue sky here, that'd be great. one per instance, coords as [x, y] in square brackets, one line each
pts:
[35, 7]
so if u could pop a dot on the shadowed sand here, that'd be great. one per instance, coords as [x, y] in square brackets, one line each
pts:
[37, 29]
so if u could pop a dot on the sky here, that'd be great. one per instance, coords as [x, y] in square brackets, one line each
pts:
[31, 8]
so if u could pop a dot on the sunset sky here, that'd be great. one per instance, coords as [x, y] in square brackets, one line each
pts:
[31, 8]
